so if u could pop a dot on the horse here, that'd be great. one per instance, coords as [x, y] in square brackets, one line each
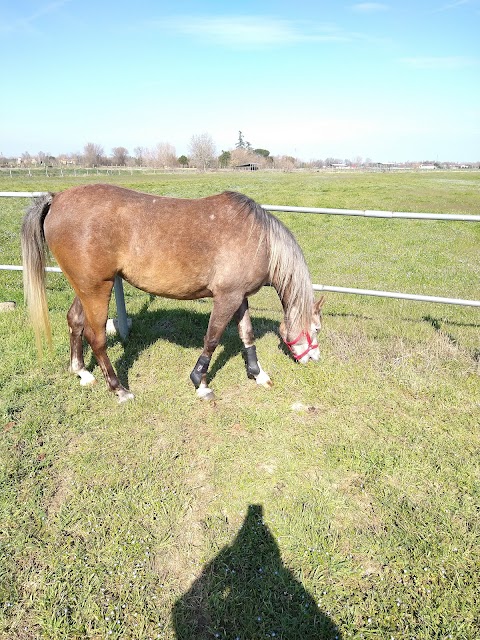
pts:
[224, 246]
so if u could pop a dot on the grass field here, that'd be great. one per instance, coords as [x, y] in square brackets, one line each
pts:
[341, 503]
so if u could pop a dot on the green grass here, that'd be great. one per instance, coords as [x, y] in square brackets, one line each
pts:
[355, 515]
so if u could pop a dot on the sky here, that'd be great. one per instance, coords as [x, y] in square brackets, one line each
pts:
[389, 81]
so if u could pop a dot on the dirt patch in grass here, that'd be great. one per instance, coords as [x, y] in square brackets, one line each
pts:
[183, 562]
[60, 495]
[64, 480]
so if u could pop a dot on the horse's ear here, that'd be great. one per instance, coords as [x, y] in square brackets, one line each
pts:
[319, 304]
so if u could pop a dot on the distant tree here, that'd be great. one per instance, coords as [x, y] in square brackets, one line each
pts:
[240, 144]
[246, 156]
[241, 156]
[163, 155]
[331, 161]
[166, 154]
[224, 159]
[202, 151]
[139, 155]
[183, 161]
[262, 152]
[285, 163]
[93, 154]
[119, 156]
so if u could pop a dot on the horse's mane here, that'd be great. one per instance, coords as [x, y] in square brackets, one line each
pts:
[288, 270]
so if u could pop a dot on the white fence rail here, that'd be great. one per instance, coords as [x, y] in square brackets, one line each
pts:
[119, 296]
[366, 213]
[400, 296]
[21, 194]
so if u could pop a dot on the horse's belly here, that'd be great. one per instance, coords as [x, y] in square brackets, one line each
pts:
[168, 282]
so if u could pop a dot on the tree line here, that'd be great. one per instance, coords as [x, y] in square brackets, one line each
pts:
[202, 154]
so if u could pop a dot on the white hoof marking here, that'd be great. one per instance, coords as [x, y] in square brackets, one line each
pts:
[85, 376]
[111, 328]
[205, 393]
[263, 378]
[123, 395]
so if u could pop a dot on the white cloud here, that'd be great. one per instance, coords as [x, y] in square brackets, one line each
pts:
[27, 23]
[453, 5]
[236, 30]
[254, 31]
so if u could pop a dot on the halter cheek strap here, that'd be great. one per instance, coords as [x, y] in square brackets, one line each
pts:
[311, 345]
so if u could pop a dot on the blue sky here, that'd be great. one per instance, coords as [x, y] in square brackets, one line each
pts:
[391, 81]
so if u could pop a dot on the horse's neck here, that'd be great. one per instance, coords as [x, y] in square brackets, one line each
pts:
[291, 310]
[291, 279]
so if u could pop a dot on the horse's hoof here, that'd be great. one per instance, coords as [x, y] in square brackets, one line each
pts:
[263, 379]
[123, 395]
[204, 393]
[85, 376]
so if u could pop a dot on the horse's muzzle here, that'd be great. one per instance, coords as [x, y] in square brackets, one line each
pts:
[301, 354]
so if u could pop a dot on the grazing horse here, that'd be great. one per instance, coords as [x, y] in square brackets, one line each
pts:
[224, 246]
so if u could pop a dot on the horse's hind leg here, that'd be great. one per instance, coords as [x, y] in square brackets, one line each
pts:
[95, 306]
[245, 331]
[76, 325]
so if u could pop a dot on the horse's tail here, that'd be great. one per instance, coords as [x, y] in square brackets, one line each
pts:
[34, 254]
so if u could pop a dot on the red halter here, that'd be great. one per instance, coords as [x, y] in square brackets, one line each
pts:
[311, 345]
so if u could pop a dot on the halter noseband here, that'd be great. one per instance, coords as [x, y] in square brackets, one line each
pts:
[311, 345]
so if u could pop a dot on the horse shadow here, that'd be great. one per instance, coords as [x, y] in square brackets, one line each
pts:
[247, 592]
[185, 328]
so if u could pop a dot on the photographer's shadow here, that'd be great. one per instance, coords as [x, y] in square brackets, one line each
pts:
[247, 593]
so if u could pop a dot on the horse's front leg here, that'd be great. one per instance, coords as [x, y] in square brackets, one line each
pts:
[224, 306]
[245, 331]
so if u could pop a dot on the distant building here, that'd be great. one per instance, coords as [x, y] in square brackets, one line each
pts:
[248, 166]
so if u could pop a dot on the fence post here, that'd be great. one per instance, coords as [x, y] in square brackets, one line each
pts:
[121, 310]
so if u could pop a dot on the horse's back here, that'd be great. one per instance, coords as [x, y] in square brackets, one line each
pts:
[174, 247]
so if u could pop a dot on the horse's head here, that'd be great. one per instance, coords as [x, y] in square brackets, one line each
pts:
[301, 342]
